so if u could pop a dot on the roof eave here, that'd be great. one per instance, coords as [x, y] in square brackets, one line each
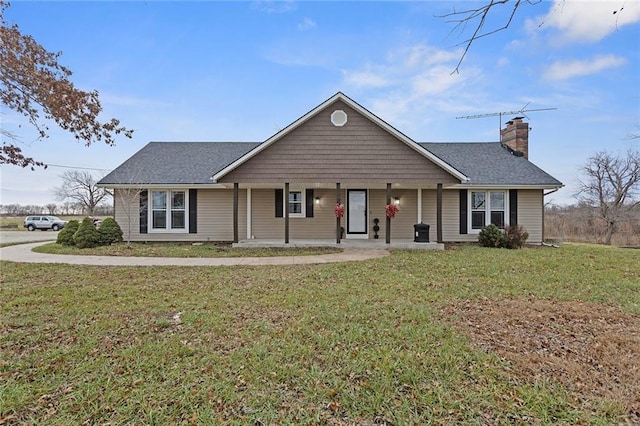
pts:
[507, 186]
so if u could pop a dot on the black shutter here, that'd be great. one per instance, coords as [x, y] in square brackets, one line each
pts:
[309, 203]
[144, 209]
[193, 211]
[513, 207]
[279, 203]
[463, 211]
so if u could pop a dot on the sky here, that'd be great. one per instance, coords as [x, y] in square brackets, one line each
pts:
[240, 71]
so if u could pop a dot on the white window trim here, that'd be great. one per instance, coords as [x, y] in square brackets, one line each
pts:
[487, 216]
[303, 206]
[168, 229]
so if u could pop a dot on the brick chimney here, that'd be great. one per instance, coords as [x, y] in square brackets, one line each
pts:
[515, 135]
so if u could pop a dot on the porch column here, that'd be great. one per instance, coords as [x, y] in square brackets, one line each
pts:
[249, 234]
[235, 212]
[338, 201]
[439, 214]
[286, 213]
[419, 220]
[388, 221]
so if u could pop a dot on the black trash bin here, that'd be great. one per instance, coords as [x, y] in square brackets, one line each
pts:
[421, 233]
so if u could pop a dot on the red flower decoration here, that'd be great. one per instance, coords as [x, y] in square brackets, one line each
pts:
[391, 209]
[339, 210]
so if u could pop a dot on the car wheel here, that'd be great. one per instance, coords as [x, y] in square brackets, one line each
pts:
[55, 227]
[31, 228]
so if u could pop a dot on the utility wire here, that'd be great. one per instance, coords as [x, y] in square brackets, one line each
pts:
[77, 167]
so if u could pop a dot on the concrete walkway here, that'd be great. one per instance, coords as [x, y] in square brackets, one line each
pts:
[24, 253]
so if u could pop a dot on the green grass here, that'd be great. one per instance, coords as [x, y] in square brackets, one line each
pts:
[167, 249]
[347, 343]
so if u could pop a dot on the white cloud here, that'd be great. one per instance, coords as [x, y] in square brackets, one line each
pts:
[410, 83]
[563, 70]
[589, 20]
[272, 6]
[306, 24]
[364, 79]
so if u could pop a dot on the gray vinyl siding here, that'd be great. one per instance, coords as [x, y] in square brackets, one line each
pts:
[265, 225]
[402, 223]
[359, 152]
[530, 205]
[215, 217]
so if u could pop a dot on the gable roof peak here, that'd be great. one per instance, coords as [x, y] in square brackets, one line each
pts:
[360, 109]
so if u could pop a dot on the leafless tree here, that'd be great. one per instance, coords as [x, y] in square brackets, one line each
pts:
[51, 208]
[612, 185]
[80, 186]
[34, 84]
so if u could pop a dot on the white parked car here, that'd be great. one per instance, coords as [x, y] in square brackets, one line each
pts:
[44, 222]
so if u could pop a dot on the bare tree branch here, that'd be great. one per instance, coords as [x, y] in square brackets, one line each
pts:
[479, 16]
[34, 84]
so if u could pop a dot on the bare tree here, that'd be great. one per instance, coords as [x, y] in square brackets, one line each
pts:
[80, 186]
[34, 84]
[51, 208]
[612, 185]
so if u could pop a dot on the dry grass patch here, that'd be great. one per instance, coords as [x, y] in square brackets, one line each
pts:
[590, 348]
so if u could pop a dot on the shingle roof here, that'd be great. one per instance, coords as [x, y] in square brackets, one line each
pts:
[490, 163]
[177, 162]
[196, 162]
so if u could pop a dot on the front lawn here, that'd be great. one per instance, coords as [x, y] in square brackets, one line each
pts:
[468, 335]
[167, 249]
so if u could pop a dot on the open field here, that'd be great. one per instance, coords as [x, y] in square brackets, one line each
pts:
[467, 335]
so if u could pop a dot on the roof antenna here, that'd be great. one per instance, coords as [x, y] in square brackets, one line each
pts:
[500, 114]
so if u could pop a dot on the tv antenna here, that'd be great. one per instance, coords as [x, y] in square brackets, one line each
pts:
[500, 114]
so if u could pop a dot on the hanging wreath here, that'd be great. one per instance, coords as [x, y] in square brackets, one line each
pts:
[391, 209]
[339, 210]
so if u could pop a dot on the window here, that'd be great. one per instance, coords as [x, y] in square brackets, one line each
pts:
[296, 203]
[169, 211]
[488, 207]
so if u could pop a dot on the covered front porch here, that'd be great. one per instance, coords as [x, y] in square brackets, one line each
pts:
[307, 214]
[344, 244]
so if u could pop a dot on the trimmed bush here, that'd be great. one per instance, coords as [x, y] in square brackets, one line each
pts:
[110, 232]
[65, 236]
[492, 236]
[87, 235]
[515, 236]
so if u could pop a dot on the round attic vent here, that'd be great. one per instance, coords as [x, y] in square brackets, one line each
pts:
[338, 118]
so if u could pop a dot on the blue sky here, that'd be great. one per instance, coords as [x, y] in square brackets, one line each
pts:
[241, 71]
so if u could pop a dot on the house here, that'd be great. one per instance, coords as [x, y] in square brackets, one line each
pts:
[287, 187]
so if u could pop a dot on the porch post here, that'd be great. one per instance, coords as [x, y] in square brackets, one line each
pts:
[235, 212]
[249, 231]
[388, 221]
[419, 220]
[286, 213]
[338, 201]
[439, 213]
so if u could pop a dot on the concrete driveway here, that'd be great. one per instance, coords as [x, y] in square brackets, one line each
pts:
[7, 237]
[23, 253]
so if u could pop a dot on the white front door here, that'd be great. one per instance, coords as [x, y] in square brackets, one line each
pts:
[357, 212]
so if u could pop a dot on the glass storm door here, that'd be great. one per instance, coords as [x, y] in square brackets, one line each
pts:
[356, 211]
